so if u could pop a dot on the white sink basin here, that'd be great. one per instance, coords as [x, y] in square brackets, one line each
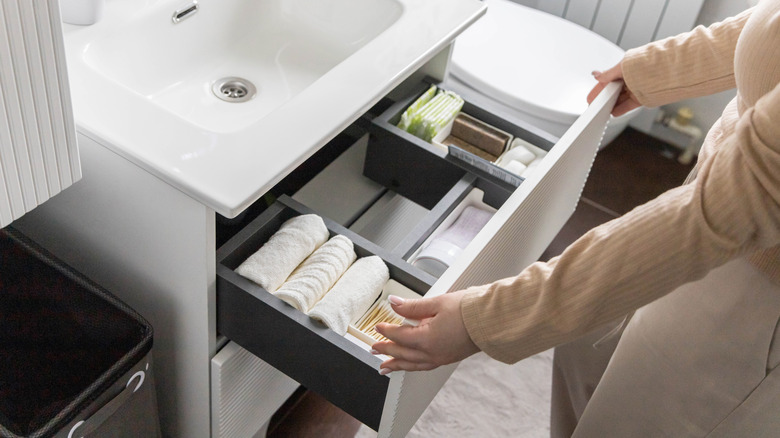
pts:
[142, 84]
[278, 46]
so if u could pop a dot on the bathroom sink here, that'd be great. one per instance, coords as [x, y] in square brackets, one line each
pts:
[275, 49]
[238, 93]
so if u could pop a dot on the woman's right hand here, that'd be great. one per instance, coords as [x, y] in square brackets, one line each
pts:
[626, 101]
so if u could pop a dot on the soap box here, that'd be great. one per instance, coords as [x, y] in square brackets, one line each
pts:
[474, 136]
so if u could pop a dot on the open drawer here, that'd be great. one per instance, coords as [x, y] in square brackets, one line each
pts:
[341, 370]
[529, 213]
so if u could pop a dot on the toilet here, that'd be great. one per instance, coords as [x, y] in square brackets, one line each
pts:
[534, 65]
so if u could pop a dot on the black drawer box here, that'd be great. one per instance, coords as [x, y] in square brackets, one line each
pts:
[422, 172]
[321, 360]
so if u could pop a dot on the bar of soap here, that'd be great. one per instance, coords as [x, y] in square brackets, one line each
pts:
[477, 133]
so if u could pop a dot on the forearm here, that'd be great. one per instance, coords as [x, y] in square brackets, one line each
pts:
[732, 209]
[697, 63]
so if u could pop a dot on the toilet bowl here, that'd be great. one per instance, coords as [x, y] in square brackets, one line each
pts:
[536, 66]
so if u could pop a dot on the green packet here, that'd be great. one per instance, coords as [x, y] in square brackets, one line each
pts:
[408, 115]
[435, 115]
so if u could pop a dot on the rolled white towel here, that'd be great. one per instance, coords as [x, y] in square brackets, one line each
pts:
[515, 167]
[352, 295]
[295, 240]
[536, 150]
[318, 273]
[531, 168]
[520, 154]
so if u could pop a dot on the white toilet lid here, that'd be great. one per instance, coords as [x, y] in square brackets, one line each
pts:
[531, 60]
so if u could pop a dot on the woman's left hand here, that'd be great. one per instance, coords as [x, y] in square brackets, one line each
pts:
[626, 101]
[439, 339]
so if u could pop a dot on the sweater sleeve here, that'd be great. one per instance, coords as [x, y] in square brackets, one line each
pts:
[731, 210]
[692, 64]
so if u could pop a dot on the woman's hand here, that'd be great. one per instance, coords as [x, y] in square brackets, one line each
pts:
[439, 339]
[626, 101]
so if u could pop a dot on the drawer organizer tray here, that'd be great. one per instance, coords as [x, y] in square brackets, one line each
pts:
[318, 358]
[421, 171]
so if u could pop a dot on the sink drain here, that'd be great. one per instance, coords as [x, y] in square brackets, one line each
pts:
[234, 89]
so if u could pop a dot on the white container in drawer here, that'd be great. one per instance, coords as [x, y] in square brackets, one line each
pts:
[473, 199]
[245, 392]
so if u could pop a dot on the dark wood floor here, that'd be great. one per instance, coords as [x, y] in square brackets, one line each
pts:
[630, 171]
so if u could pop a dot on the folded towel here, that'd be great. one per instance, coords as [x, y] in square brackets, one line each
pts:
[295, 240]
[531, 168]
[515, 167]
[519, 153]
[352, 295]
[536, 150]
[466, 226]
[317, 274]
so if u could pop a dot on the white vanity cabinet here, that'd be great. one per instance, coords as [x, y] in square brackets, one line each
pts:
[155, 247]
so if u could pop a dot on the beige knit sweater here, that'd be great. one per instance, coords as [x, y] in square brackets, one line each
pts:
[731, 210]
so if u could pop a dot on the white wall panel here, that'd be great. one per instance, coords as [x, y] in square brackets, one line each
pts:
[582, 12]
[611, 18]
[555, 7]
[32, 86]
[38, 153]
[21, 188]
[6, 154]
[628, 23]
[642, 22]
[680, 16]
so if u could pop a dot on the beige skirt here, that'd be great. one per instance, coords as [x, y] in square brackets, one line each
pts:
[701, 361]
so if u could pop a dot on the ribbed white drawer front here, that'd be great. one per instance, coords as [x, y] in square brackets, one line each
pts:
[526, 224]
[245, 392]
[514, 238]
[38, 154]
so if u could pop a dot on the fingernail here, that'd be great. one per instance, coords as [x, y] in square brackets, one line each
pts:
[385, 371]
[395, 300]
[595, 72]
[374, 351]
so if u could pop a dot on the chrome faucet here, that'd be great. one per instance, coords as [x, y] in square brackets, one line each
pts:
[185, 12]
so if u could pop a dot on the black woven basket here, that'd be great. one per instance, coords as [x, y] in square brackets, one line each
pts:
[64, 340]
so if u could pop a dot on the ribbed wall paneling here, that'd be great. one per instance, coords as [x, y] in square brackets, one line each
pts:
[38, 153]
[628, 23]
